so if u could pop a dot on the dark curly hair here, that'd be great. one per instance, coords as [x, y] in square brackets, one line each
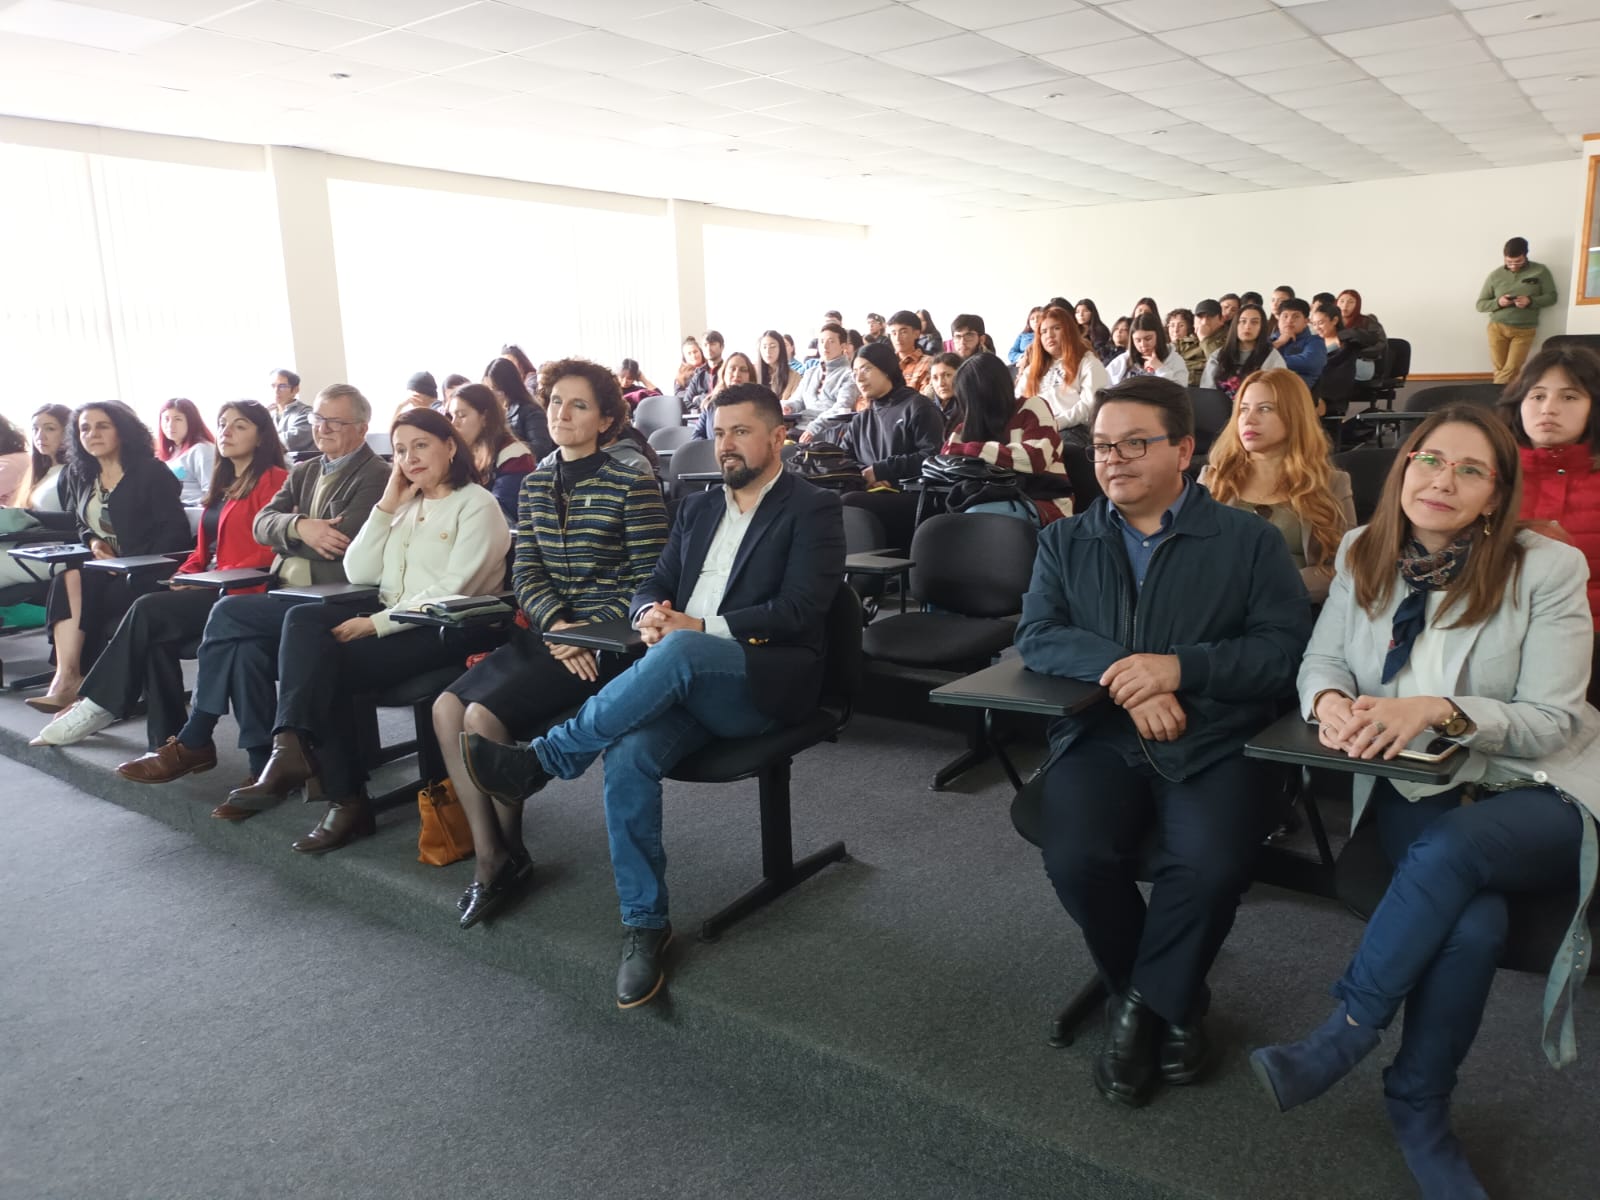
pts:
[607, 391]
[133, 436]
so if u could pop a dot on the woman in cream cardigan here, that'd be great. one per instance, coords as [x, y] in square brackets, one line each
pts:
[434, 533]
[1445, 616]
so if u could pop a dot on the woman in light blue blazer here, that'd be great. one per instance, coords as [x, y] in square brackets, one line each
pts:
[1443, 615]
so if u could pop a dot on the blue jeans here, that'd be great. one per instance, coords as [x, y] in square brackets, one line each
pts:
[1020, 509]
[1435, 939]
[687, 690]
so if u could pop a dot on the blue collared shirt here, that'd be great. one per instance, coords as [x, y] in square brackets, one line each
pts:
[1141, 547]
[330, 465]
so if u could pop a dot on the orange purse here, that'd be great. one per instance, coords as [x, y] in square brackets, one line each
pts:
[445, 836]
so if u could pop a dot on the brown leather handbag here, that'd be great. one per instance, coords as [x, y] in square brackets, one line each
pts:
[445, 836]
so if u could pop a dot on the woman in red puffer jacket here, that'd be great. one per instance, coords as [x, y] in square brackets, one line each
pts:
[1551, 408]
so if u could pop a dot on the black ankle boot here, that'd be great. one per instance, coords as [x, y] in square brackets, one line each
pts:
[641, 974]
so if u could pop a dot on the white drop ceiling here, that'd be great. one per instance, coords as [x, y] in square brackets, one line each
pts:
[852, 110]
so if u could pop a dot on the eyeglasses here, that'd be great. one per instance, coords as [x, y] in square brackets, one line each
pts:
[1433, 464]
[1127, 449]
[333, 423]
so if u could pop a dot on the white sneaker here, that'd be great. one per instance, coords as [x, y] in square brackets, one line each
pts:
[74, 724]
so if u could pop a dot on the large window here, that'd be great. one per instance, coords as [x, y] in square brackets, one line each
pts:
[438, 281]
[135, 280]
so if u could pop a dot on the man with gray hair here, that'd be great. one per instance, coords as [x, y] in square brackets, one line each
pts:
[317, 511]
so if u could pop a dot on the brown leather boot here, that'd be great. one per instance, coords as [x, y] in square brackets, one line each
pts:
[290, 766]
[345, 821]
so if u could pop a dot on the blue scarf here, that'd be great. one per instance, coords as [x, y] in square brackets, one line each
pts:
[1423, 573]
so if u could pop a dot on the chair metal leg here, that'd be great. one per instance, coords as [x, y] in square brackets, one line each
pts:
[28, 682]
[780, 871]
[1064, 1029]
[982, 744]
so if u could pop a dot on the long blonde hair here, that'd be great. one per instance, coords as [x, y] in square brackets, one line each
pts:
[1307, 474]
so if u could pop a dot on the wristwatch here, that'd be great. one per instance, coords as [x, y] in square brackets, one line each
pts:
[1456, 724]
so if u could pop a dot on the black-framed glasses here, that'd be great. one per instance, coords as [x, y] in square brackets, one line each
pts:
[333, 423]
[1127, 449]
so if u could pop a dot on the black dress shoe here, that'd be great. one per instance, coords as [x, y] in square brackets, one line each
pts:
[507, 773]
[482, 900]
[1185, 1052]
[640, 976]
[1126, 1069]
[526, 861]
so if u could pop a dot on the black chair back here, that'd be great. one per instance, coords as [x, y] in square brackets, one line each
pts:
[1337, 387]
[974, 564]
[657, 412]
[1397, 363]
[669, 437]
[691, 458]
[1431, 399]
[1368, 468]
[1080, 473]
[1212, 412]
[842, 658]
[863, 531]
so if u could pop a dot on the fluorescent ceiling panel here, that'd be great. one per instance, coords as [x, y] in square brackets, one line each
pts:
[84, 26]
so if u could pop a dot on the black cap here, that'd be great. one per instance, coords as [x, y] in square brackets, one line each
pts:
[1208, 308]
[882, 356]
[423, 384]
[874, 316]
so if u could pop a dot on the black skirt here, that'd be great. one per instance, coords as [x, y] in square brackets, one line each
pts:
[526, 688]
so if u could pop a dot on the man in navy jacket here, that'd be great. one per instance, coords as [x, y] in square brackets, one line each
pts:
[734, 620]
[1303, 351]
[1194, 618]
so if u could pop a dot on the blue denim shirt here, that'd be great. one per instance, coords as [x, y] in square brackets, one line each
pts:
[1142, 547]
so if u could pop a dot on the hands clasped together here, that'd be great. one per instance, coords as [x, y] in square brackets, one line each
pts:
[1369, 726]
[1145, 685]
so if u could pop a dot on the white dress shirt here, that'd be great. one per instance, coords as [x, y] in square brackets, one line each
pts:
[706, 598]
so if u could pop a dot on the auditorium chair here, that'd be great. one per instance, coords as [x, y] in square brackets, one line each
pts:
[657, 412]
[669, 437]
[1391, 374]
[1212, 412]
[1368, 468]
[1080, 473]
[697, 457]
[970, 571]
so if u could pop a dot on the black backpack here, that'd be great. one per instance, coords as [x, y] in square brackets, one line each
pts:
[827, 466]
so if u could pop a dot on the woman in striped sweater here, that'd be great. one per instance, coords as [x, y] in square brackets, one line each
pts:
[989, 423]
[589, 532]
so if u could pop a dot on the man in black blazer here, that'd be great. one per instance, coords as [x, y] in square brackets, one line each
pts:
[733, 618]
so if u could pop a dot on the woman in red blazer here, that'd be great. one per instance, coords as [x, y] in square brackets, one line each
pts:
[143, 657]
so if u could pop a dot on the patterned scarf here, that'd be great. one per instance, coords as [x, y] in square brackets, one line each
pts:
[1423, 573]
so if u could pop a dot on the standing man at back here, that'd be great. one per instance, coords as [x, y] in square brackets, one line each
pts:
[1512, 296]
[1193, 617]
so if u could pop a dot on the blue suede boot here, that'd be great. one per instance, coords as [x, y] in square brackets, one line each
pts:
[1303, 1070]
[1431, 1150]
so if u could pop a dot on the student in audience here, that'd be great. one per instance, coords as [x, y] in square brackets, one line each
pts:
[1020, 434]
[291, 414]
[1513, 296]
[967, 336]
[915, 363]
[1325, 324]
[828, 388]
[736, 369]
[891, 436]
[796, 364]
[1246, 351]
[1064, 372]
[1019, 347]
[1327, 298]
[941, 387]
[451, 383]
[14, 462]
[1229, 304]
[422, 391]
[126, 502]
[1252, 298]
[1362, 333]
[831, 317]
[1149, 354]
[856, 342]
[499, 460]
[1120, 329]
[1552, 413]
[514, 354]
[1303, 351]
[1221, 622]
[589, 534]
[187, 447]
[1272, 460]
[1279, 294]
[729, 656]
[877, 330]
[434, 533]
[1146, 305]
[929, 339]
[776, 374]
[633, 382]
[308, 525]
[703, 379]
[1446, 618]
[43, 488]
[142, 657]
[693, 359]
[1210, 327]
[524, 414]
[1095, 333]
[1180, 332]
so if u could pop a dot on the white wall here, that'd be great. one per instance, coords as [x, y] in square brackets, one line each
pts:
[1417, 249]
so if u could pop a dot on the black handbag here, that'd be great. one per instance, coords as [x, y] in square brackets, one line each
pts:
[970, 481]
[827, 466]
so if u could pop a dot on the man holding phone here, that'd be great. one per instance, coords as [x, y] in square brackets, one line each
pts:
[1512, 296]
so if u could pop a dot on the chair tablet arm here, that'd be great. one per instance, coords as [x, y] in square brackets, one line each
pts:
[1009, 686]
[618, 636]
[56, 553]
[484, 612]
[1387, 416]
[868, 562]
[332, 593]
[1290, 739]
[225, 580]
[137, 564]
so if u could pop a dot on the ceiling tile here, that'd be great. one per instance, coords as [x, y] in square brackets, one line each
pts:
[783, 13]
[1406, 35]
[1183, 97]
[1054, 95]
[1471, 74]
[510, 73]
[1114, 55]
[820, 109]
[409, 51]
[1548, 41]
[1059, 31]
[752, 94]
[1017, 72]
[317, 70]
[596, 50]
[882, 29]
[1164, 75]
[1340, 16]
[1298, 78]
[183, 12]
[778, 52]
[1303, 52]
[1262, 29]
[393, 13]
[1424, 58]
[272, 21]
[599, 12]
[687, 73]
[695, 27]
[959, 53]
[1566, 62]
[437, 92]
[1520, 17]
[891, 87]
[993, 12]
[846, 71]
[499, 27]
[1154, 16]
[245, 54]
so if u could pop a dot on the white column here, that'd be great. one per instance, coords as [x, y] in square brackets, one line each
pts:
[689, 263]
[306, 227]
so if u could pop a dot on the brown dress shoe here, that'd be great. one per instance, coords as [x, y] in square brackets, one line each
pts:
[345, 821]
[235, 812]
[290, 766]
[173, 761]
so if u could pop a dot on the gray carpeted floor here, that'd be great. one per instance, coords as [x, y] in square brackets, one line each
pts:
[905, 993]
